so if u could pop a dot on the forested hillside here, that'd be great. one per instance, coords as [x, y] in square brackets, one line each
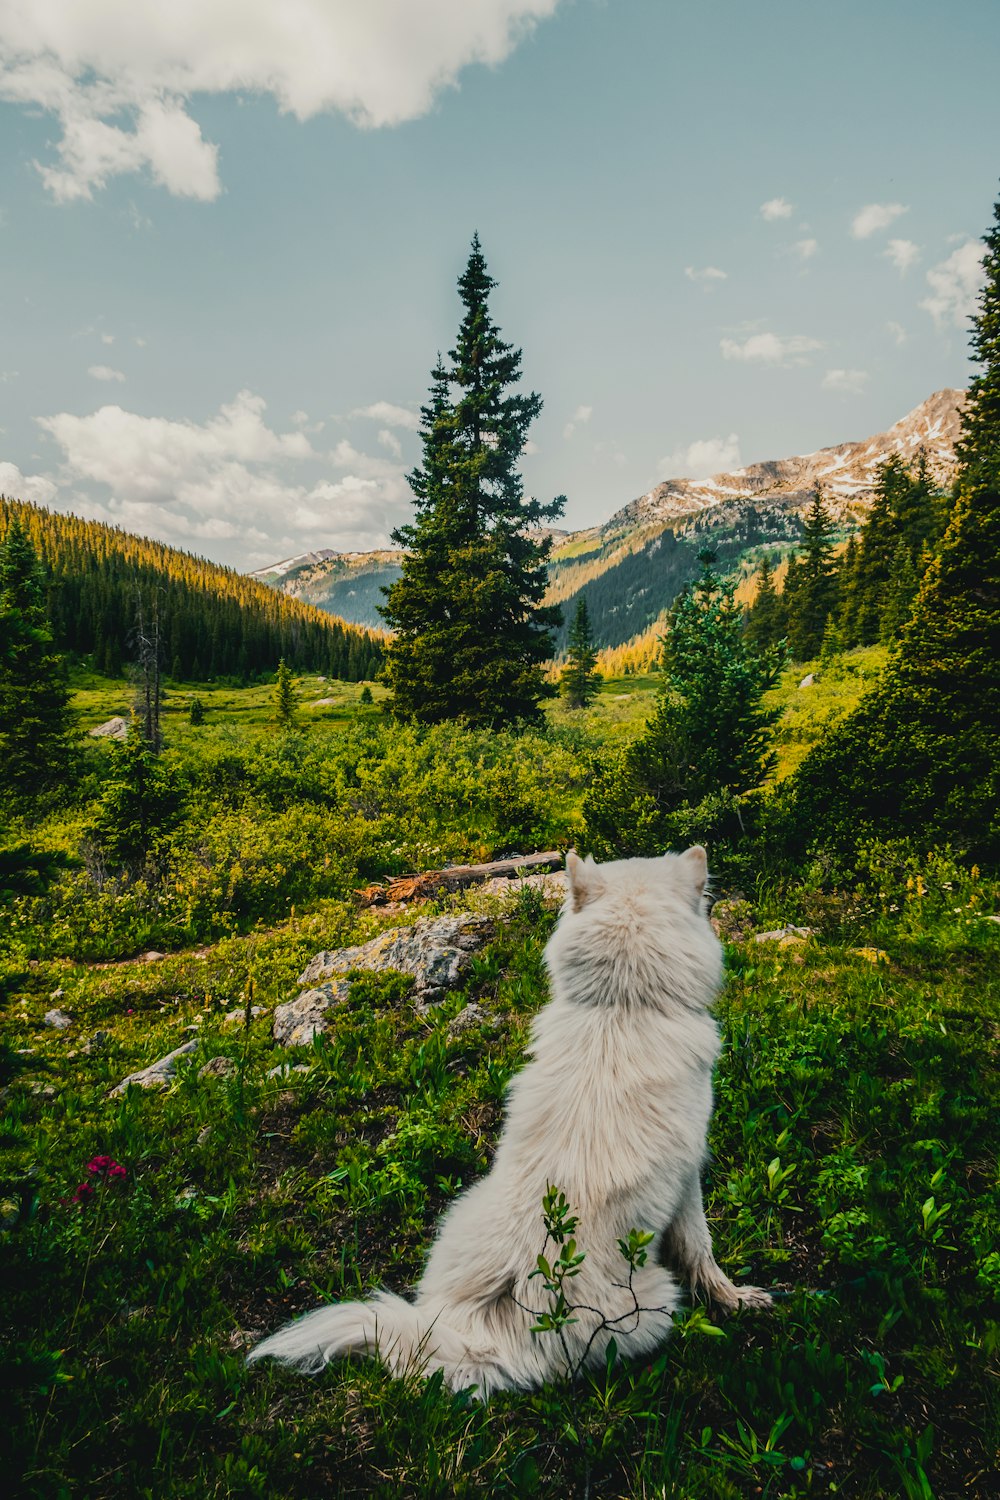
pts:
[213, 621]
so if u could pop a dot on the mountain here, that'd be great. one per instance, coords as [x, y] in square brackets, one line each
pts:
[213, 621]
[632, 567]
[348, 584]
[845, 473]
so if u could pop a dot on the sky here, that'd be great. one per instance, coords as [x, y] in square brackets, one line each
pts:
[230, 235]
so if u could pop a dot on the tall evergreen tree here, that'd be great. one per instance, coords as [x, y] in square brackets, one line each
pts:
[815, 595]
[580, 679]
[35, 721]
[979, 448]
[766, 621]
[471, 633]
[920, 756]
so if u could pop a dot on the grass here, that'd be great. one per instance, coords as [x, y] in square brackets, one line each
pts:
[854, 1168]
[854, 1146]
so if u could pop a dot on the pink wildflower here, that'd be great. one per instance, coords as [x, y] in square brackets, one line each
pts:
[107, 1167]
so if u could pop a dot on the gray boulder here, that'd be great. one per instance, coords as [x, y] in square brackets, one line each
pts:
[111, 729]
[435, 950]
[158, 1073]
[299, 1020]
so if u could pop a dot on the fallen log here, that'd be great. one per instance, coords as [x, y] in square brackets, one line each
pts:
[457, 877]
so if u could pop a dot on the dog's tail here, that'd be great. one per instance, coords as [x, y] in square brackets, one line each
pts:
[385, 1327]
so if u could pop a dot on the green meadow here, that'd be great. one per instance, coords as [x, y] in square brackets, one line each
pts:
[148, 1238]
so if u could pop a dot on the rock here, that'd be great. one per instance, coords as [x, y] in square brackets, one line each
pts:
[285, 1070]
[158, 1073]
[204, 1135]
[468, 1017]
[152, 957]
[111, 729]
[232, 1016]
[43, 1090]
[435, 950]
[217, 1067]
[732, 921]
[57, 994]
[57, 1019]
[322, 702]
[96, 1043]
[786, 937]
[185, 1196]
[298, 1021]
[808, 680]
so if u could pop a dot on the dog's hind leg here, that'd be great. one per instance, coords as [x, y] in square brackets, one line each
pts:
[687, 1245]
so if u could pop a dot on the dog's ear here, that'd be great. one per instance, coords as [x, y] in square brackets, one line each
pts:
[695, 862]
[585, 879]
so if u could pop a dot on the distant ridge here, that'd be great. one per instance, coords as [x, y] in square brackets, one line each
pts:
[846, 472]
[214, 621]
[632, 565]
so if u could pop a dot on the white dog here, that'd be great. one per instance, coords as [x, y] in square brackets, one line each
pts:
[613, 1109]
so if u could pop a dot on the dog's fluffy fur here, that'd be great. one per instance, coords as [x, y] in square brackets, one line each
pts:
[613, 1108]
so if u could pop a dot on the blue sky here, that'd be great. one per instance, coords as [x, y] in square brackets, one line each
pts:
[230, 236]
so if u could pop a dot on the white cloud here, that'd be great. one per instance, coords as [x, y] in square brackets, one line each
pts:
[770, 349]
[18, 486]
[107, 338]
[705, 276]
[119, 75]
[898, 332]
[954, 285]
[702, 458]
[230, 478]
[104, 372]
[146, 458]
[874, 217]
[805, 249]
[776, 208]
[580, 418]
[845, 382]
[390, 442]
[389, 415]
[903, 254]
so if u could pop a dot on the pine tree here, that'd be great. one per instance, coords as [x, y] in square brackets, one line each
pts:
[580, 680]
[979, 448]
[140, 802]
[766, 621]
[471, 633]
[900, 592]
[815, 588]
[285, 697]
[35, 721]
[196, 712]
[847, 594]
[920, 756]
[708, 741]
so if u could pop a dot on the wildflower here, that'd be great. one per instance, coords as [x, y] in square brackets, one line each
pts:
[83, 1194]
[106, 1167]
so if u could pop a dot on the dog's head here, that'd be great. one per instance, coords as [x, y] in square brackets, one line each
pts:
[636, 931]
[682, 875]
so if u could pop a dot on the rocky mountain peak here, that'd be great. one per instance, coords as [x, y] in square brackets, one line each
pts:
[846, 473]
